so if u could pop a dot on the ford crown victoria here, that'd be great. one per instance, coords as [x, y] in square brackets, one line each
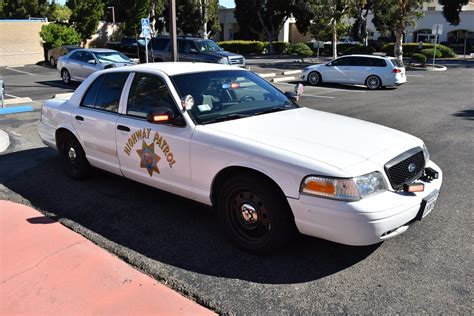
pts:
[223, 136]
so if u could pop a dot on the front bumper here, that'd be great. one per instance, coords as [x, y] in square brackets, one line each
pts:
[364, 222]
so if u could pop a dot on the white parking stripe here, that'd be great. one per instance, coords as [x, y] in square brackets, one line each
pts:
[324, 88]
[12, 96]
[414, 75]
[22, 72]
[317, 96]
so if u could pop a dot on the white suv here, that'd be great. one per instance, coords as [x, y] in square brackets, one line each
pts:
[370, 70]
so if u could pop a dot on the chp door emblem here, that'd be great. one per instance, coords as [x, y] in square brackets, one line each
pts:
[149, 152]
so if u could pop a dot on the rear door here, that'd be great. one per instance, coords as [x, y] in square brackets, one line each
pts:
[95, 120]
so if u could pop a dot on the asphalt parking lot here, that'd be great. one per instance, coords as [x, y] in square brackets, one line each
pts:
[428, 269]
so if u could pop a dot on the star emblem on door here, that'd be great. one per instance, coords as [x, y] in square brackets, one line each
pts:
[149, 160]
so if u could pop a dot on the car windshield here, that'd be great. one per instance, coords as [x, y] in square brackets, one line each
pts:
[229, 94]
[208, 46]
[112, 57]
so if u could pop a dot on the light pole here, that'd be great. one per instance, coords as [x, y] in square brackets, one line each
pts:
[174, 51]
[113, 13]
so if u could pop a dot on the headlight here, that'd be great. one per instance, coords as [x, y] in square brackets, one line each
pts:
[426, 154]
[224, 61]
[344, 189]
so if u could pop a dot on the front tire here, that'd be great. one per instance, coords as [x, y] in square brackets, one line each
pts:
[255, 214]
[373, 82]
[73, 157]
[65, 76]
[52, 62]
[314, 78]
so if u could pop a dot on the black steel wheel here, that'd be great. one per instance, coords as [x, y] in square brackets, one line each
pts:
[74, 158]
[255, 214]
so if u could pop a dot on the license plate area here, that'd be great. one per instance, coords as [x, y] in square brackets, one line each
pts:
[427, 205]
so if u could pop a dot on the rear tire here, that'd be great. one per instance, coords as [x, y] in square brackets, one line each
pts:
[255, 214]
[52, 62]
[65, 76]
[373, 82]
[314, 78]
[73, 157]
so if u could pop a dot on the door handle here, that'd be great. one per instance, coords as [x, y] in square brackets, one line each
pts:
[123, 128]
[79, 118]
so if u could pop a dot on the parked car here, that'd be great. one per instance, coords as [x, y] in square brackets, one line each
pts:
[370, 70]
[225, 137]
[55, 53]
[129, 46]
[194, 49]
[79, 64]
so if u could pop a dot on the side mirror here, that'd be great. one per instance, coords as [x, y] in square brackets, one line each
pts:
[92, 62]
[328, 64]
[187, 102]
[163, 115]
[292, 96]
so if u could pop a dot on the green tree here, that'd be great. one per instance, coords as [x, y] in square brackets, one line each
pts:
[85, 16]
[22, 9]
[359, 11]
[58, 12]
[263, 17]
[321, 18]
[396, 16]
[55, 35]
[451, 10]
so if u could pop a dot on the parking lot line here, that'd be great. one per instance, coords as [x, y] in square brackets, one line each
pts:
[317, 96]
[324, 88]
[12, 96]
[414, 75]
[22, 72]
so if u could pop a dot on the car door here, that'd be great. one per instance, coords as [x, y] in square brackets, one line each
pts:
[358, 69]
[95, 120]
[336, 71]
[187, 51]
[155, 154]
[73, 64]
[87, 68]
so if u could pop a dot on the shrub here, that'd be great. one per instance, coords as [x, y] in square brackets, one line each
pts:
[279, 47]
[419, 58]
[55, 35]
[429, 52]
[243, 47]
[411, 48]
[300, 49]
[359, 49]
[341, 48]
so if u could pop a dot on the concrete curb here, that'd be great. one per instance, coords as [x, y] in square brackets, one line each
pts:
[429, 68]
[267, 75]
[291, 72]
[4, 141]
[17, 101]
[288, 78]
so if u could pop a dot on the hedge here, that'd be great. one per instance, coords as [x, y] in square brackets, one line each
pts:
[411, 48]
[278, 47]
[300, 49]
[429, 52]
[359, 49]
[243, 47]
[419, 58]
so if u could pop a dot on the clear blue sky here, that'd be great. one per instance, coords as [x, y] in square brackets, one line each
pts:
[225, 3]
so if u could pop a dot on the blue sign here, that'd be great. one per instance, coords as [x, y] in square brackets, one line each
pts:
[146, 26]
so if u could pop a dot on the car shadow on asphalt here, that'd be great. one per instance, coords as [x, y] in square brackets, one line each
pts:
[334, 86]
[121, 215]
[465, 114]
[60, 84]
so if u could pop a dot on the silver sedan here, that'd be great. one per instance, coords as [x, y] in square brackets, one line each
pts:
[79, 64]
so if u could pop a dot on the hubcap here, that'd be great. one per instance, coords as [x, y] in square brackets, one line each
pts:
[314, 78]
[72, 154]
[249, 214]
[65, 76]
[373, 82]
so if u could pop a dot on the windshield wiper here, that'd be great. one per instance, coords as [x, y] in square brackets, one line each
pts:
[273, 109]
[227, 118]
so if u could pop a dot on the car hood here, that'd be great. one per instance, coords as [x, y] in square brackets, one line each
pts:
[333, 139]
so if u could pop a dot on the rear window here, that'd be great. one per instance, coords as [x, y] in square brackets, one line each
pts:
[376, 62]
[396, 62]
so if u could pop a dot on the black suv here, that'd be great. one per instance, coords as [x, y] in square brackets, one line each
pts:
[193, 49]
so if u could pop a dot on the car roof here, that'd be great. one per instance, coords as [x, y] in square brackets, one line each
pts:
[178, 68]
[371, 56]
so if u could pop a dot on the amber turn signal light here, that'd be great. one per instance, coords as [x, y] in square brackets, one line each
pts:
[414, 187]
[161, 118]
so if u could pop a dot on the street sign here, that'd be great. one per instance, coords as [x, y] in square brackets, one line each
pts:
[437, 29]
[146, 26]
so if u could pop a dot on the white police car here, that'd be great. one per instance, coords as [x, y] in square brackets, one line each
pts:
[225, 137]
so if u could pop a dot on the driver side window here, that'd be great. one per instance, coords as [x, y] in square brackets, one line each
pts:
[147, 93]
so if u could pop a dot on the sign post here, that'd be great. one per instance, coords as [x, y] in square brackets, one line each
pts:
[146, 34]
[436, 30]
[2, 92]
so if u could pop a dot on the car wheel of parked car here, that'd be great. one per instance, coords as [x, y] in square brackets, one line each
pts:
[255, 214]
[314, 78]
[52, 62]
[373, 82]
[73, 157]
[65, 76]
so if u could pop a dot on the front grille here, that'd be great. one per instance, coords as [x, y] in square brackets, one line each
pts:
[398, 171]
[237, 61]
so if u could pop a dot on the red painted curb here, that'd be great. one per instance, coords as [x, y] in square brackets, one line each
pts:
[47, 268]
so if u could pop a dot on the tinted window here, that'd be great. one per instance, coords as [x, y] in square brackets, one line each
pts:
[160, 43]
[376, 62]
[185, 46]
[91, 94]
[147, 93]
[340, 62]
[77, 56]
[396, 62]
[109, 96]
[86, 57]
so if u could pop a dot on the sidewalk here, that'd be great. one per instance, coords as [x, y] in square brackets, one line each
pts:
[45, 268]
